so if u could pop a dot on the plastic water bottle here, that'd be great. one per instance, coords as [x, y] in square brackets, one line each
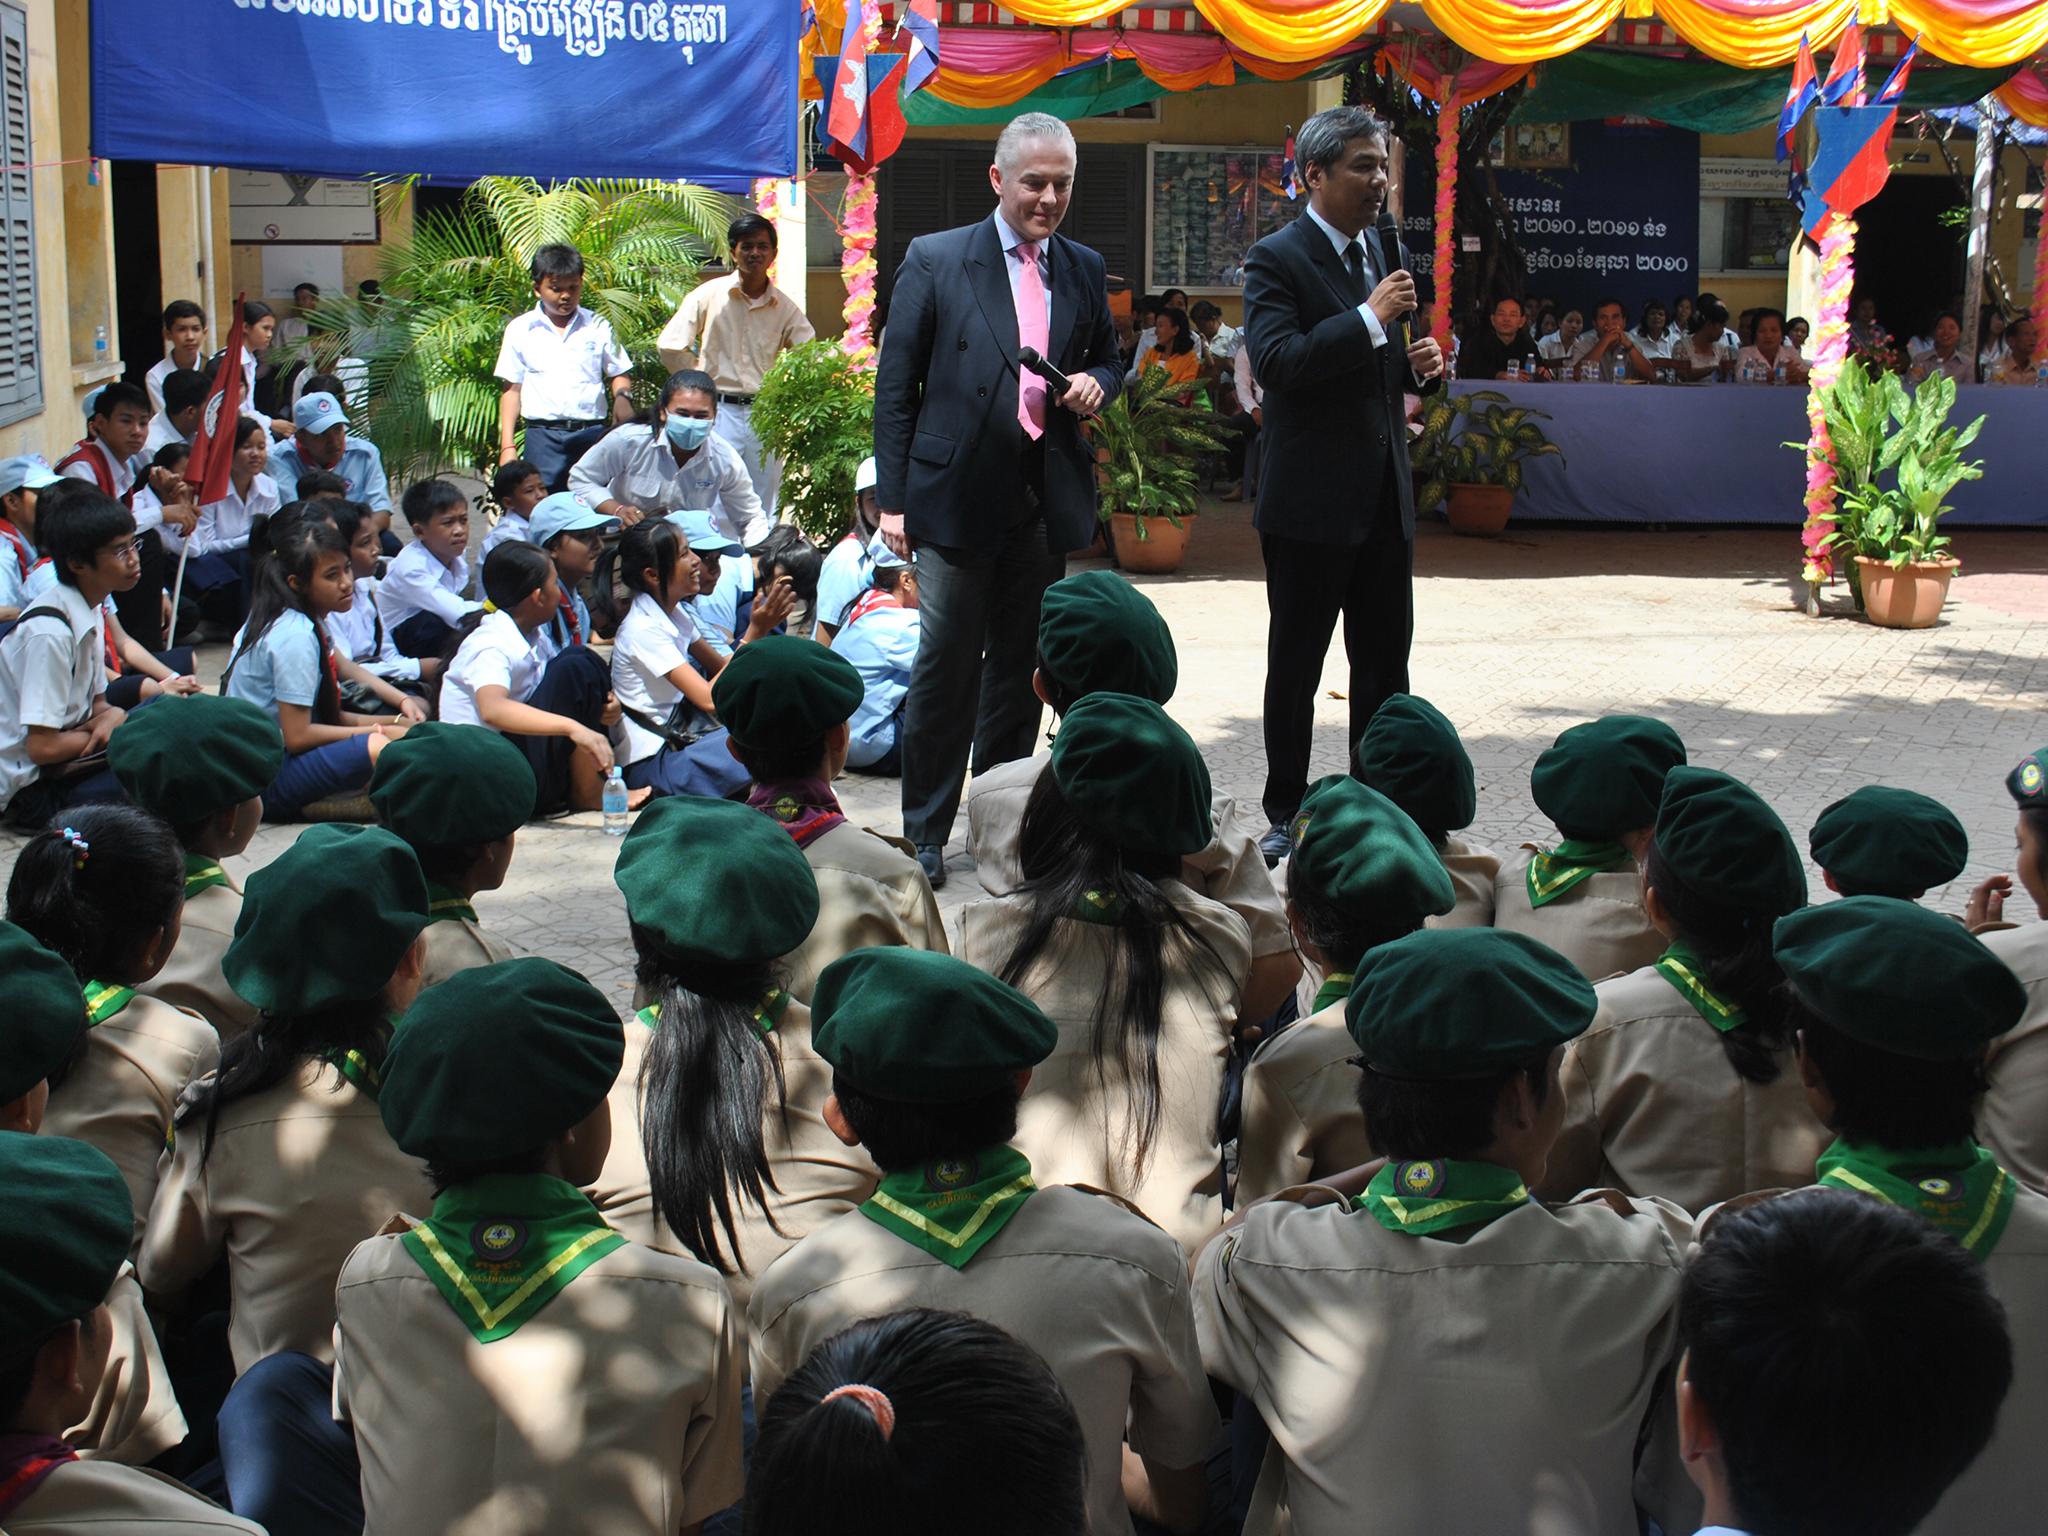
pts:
[615, 817]
[99, 344]
[2041, 375]
[1779, 375]
[1514, 370]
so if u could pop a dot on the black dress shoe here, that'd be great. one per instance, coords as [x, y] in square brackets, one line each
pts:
[932, 860]
[1276, 844]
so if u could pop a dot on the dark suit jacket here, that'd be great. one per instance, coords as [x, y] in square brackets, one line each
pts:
[947, 439]
[1334, 417]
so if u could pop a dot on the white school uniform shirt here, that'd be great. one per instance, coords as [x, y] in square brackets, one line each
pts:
[153, 381]
[495, 652]
[149, 513]
[561, 373]
[161, 434]
[51, 670]
[651, 643]
[509, 528]
[359, 634]
[225, 524]
[120, 473]
[1651, 346]
[417, 582]
[635, 464]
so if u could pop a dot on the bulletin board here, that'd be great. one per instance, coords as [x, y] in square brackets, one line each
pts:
[1209, 206]
[273, 207]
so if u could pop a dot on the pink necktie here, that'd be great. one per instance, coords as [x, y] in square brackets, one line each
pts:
[1032, 331]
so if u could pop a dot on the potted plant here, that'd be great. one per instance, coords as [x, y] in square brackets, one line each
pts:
[1145, 448]
[1469, 457]
[816, 412]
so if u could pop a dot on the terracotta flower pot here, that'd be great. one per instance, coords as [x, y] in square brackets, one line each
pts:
[1160, 551]
[1908, 596]
[1478, 510]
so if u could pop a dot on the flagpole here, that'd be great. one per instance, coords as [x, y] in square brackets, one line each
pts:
[178, 588]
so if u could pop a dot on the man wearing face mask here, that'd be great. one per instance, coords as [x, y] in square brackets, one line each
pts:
[673, 462]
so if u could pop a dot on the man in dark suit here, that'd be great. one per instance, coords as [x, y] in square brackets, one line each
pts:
[980, 469]
[1325, 308]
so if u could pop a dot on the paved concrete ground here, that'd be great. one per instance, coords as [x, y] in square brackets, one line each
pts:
[1517, 638]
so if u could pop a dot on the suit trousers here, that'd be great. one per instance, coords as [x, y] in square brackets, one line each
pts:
[1307, 586]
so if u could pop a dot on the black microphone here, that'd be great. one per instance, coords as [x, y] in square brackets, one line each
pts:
[1389, 230]
[1055, 381]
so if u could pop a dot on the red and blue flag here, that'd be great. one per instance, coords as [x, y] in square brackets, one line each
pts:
[864, 125]
[1844, 84]
[1894, 86]
[1797, 99]
[919, 28]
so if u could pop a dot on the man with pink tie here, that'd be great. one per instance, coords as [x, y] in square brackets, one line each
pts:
[982, 471]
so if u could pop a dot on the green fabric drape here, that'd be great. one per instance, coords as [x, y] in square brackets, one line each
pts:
[1081, 93]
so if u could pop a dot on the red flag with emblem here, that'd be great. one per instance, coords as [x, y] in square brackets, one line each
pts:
[213, 444]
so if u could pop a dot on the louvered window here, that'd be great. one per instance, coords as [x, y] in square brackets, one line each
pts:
[21, 371]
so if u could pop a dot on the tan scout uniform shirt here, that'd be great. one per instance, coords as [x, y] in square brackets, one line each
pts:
[122, 1094]
[731, 337]
[191, 978]
[1652, 1107]
[1301, 1117]
[1488, 1380]
[1473, 868]
[134, 1417]
[1599, 924]
[1101, 1296]
[2013, 1119]
[818, 1176]
[456, 944]
[1230, 870]
[1077, 1126]
[108, 1499]
[871, 895]
[299, 1175]
[615, 1409]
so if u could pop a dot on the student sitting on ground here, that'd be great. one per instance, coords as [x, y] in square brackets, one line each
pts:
[1411, 754]
[845, 574]
[357, 632]
[22, 479]
[202, 764]
[116, 427]
[1888, 842]
[184, 344]
[458, 795]
[787, 703]
[880, 638]
[517, 488]
[724, 610]
[788, 555]
[217, 574]
[425, 595]
[177, 417]
[2013, 1121]
[573, 537]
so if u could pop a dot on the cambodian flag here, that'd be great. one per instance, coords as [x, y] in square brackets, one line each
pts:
[1844, 84]
[1797, 99]
[1851, 163]
[1895, 84]
[1290, 180]
[847, 121]
[920, 26]
[865, 125]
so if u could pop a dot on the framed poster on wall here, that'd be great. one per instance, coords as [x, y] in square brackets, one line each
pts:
[1210, 205]
[275, 207]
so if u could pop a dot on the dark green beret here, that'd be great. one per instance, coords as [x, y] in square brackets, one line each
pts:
[2028, 782]
[921, 1027]
[497, 1061]
[1099, 634]
[1411, 754]
[327, 920]
[722, 883]
[1447, 1003]
[45, 1012]
[188, 758]
[452, 786]
[1134, 777]
[65, 1227]
[784, 691]
[1356, 848]
[1606, 777]
[1720, 841]
[1898, 977]
[1889, 842]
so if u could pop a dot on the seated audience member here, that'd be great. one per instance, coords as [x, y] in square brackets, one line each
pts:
[1610, 347]
[64, 1233]
[259, 328]
[497, 1081]
[1864, 329]
[321, 440]
[357, 632]
[23, 478]
[166, 512]
[673, 462]
[1600, 784]
[457, 795]
[1218, 340]
[1652, 334]
[2013, 1121]
[724, 611]
[1681, 318]
[1796, 331]
[1991, 341]
[573, 537]
[1312, 1301]
[1684, 1086]
[845, 575]
[929, 1057]
[1888, 842]
[116, 427]
[892, 1414]
[1143, 977]
[1805, 1362]
[104, 891]
[787, 704]
[425, 594]
[1945, 355]
[517, 488]
[177, 418]
[202, 764]
[1487, 353]
[787, 554]
[1174, 352]
[1705, 353]
[881, 639]
[184, 342]
[1559, 347]
[2017, 366]
[217, 574]
[1411, 754]
[1770, 351]
[1362, 875]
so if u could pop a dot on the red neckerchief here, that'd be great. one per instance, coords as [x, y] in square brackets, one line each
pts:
[25, 1460]
[107, 643]
[23, 550]
[90, 452]
[873, 598]
[568, 618]
[804, 808]
[331, 694]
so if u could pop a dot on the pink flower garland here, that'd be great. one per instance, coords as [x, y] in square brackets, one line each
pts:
[857, 266]
[2040, 281]
[1830, 348]
[768, 203]
[1446, 212]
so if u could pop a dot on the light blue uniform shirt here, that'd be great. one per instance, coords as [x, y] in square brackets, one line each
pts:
[846, 574]
[282, 667]
[717, 611]
[362, 466]
[882, 648]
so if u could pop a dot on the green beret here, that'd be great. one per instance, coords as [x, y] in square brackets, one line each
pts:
[1446, 1003]
[2028, 782]
[65, 1227]
[188, 758]
[1604, 778]
[497, 1061]
[1411, 754]
[1719, 840]
[45, 1012]
[920, 1027]
[1134, 777]
[722, 883]
[1898, 977]
[327, 920]
[453, 786]
[784, 691]
[1889, 842]
[1099, 634]
[1356, 848]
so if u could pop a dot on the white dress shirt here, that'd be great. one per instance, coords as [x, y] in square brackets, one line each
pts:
[495, 652]
[359, 634]
[225, 524]
[561, 371]
[652, 642]
[51, 671]
[417, 582]
[635, 464]
[1341, 242]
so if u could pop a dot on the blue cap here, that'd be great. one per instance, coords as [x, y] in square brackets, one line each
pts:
[91, 402]
[318, 412]
[883, 558]
[564, 512]
[26, 472]
[701, 533]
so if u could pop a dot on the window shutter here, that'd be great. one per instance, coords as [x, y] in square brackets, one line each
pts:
[1106, 212]
[911, 201]
[21, 381]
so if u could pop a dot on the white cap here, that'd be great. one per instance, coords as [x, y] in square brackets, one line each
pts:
[864, 477]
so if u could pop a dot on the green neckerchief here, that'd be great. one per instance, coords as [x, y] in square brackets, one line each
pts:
[1440, 1194]
[766, 1017]
[498, 1248]
[951, 1209]
[355, 1066]
[446, 906]
[1958, 1187]
[202, 873]
[1336, 988]
[1103, 907]
[1571, 861]
[1682, 968]
[103, 1001]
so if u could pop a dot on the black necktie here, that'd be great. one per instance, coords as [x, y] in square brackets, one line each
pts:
[1354, 261]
